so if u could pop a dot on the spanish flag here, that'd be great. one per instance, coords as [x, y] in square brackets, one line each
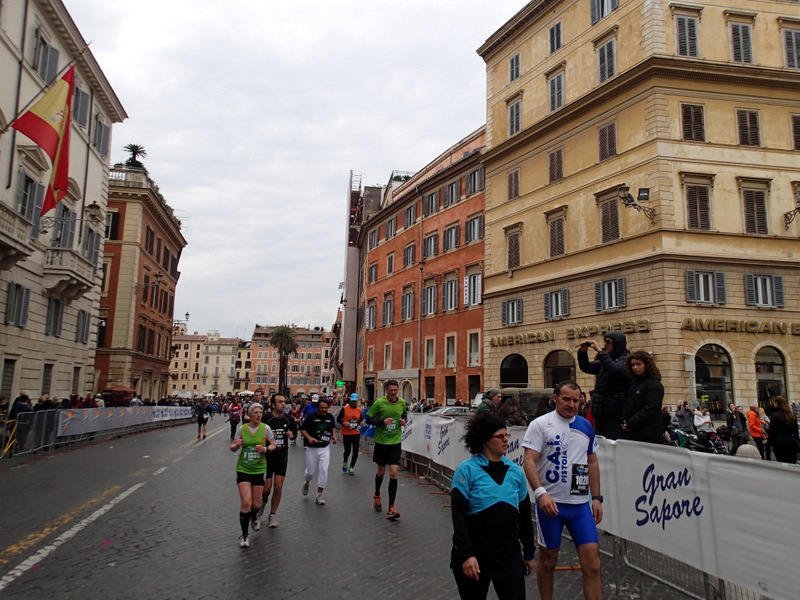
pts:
[47, 123]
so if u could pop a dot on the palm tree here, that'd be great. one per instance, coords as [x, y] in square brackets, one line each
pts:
[135, 150]
[282, 338]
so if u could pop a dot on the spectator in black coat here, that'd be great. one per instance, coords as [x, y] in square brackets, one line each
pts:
[611, 386]
[643, 421]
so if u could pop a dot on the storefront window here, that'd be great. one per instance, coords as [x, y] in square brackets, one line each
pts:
[713, 378]
[514, 371]
[558, 366]
[770, 375]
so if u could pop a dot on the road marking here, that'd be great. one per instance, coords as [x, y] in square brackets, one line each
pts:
[34, 538]
[160, 471]
[39, 556]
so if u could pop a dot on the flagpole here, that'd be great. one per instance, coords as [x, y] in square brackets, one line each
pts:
[45, 89]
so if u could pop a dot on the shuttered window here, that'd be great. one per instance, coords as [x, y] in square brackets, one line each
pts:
[513, 184]
[755, 211]
[556, 89]
[740, 39]
[556, 304]
[686, 28]
[607, 141]
[791, 42]
[764, 290]
[605, 61]
[796, 131]
[556, 227]
[513, 243]
[747, 121]
[512, 312]
[697, 207]
[515, 117]
[705, 287]
[692, 121]
[609, 294]
[555, 162]
[609, 216]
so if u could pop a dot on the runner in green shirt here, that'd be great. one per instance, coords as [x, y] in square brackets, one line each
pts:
[388, 414]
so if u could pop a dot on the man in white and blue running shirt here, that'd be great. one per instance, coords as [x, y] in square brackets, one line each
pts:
[561, 466]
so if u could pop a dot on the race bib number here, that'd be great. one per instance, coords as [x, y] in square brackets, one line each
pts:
[392, 426]
[325, 436]
[250, 455]
[580, 480]
[353, 424]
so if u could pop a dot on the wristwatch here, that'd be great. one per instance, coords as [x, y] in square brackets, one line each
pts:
[600, 498]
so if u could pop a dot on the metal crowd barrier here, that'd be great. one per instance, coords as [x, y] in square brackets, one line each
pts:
[34, 433]
[652, 567]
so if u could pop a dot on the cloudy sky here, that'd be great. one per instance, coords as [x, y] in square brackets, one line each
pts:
[254, 112]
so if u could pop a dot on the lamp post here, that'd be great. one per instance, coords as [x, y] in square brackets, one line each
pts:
[94, 215]
[155, 283]
[630, 202]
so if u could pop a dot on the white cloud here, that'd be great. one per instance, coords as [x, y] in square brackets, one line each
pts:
[253, 114]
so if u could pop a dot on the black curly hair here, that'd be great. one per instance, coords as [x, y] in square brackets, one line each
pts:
[479, 429]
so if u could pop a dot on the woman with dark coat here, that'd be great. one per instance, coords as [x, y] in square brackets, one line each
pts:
[783, 433]
[491, 513]
[642, 421]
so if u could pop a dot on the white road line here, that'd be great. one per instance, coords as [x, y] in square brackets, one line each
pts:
[160, 471]
[39, 556]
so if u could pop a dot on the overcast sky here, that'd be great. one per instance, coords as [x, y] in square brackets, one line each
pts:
[253, 113]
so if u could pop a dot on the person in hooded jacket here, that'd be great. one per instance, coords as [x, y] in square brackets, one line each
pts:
[643, 421]
[611, 385]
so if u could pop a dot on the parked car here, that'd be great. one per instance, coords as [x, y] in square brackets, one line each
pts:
[450, 411]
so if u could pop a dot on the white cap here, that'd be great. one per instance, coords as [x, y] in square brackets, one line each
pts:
[314, 397]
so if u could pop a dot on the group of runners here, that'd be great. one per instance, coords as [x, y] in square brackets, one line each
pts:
[262, 441]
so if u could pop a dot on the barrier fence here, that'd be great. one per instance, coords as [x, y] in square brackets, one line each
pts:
[708, 526]
[43, 430]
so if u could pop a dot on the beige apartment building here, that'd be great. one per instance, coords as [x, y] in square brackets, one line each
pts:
[187, 360]
[643, 175]
[50, 265]
[218, 370]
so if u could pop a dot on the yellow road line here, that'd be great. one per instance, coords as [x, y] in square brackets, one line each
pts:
[34, 538]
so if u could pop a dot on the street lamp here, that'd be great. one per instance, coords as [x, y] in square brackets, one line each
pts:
[155, 283]
[93, 213]
[630, 202]
[175, 322]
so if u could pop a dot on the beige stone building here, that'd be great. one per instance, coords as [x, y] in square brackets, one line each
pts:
[643, 174]
[187, 361]
[218, 371]
[50, 266]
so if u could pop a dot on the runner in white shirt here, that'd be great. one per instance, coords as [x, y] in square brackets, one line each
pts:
[561, 466]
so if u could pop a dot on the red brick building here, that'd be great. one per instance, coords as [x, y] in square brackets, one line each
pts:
[420, 315]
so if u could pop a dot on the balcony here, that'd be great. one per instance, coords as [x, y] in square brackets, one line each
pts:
[67, 274]
[15, 237]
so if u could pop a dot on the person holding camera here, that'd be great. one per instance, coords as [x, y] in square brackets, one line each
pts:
[685, 416]
[611, 386]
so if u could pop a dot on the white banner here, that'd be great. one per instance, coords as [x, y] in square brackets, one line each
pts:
[730, 517]
[88, 420]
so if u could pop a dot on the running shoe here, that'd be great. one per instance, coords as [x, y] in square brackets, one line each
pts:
[319, 499]
[376, 502]
[306, 485]
[352, 471]
[392, 514]
[261, 510]
[244, 541]
[272, 521]
[255, 524]
[344, 467]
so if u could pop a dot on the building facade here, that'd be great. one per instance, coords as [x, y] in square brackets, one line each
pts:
[143, 245]
[642, 175]
[308, 370]
[421, 272]
[243, 364]
[187, 361]
[50, 275]
[218, 372]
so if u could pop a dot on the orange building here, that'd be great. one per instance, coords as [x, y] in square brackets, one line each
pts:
[420, 315]
[140, 274]
[308, 370]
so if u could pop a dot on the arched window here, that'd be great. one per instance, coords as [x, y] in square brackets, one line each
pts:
[558, 366]
[514, 371]
[714, 378]
[770, 375]
[408, 392]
